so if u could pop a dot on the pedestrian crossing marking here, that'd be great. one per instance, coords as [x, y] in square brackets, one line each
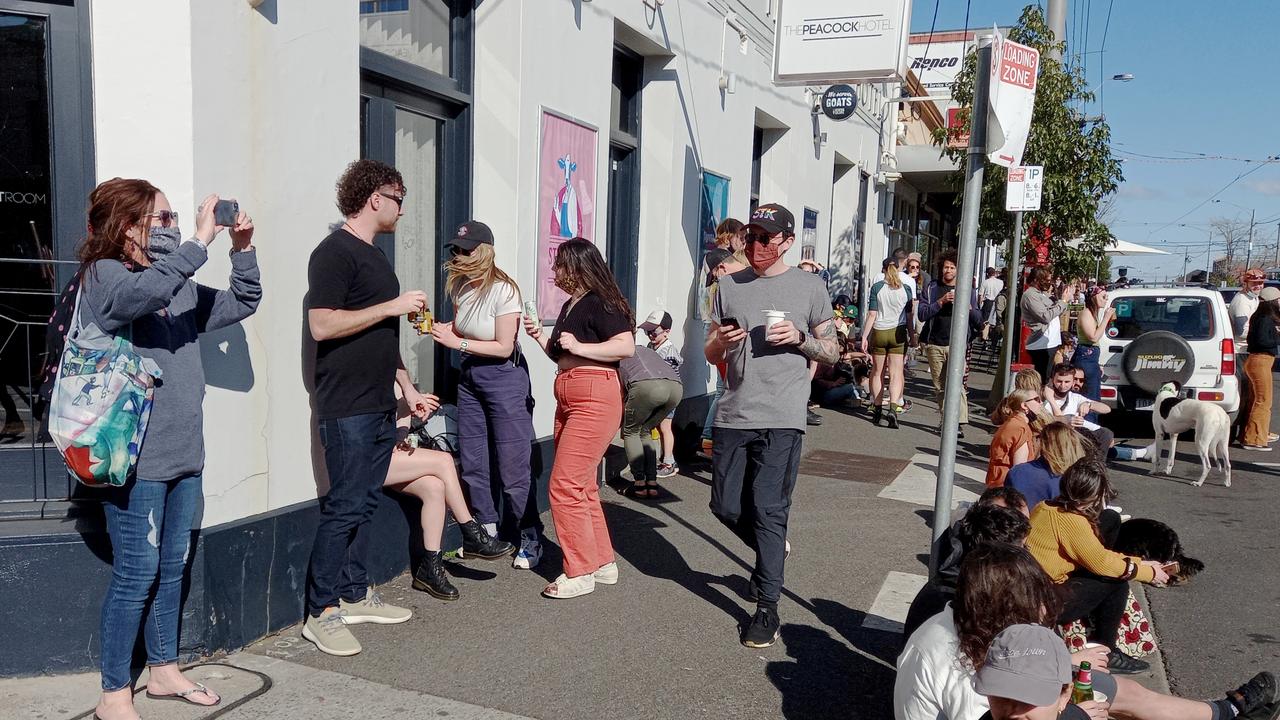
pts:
[889, 611]
[917, 481]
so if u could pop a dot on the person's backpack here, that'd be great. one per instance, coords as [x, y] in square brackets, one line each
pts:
[100, 403]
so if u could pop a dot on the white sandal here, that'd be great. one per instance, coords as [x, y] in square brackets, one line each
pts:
[565, 587]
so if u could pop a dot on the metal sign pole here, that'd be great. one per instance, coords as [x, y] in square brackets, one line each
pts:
[977, 158]
[1011, 306]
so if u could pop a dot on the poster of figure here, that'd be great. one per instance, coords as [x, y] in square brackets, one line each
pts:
[566, 199]
[715, 208]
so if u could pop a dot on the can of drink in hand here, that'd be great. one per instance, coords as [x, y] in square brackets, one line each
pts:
[421, 321]
[531, 311]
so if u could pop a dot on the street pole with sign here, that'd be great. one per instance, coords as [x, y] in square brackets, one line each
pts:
[975, 166]
[1023, 191]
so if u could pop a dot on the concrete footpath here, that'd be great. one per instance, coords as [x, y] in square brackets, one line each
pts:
[663, 643]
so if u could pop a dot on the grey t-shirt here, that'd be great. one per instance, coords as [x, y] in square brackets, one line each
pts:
[767, 386]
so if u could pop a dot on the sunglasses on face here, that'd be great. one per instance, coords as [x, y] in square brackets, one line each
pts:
[399, 199]
[167, 218]
[759, 237]
[455, 251]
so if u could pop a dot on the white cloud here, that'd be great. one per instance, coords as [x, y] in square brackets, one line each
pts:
[1265, 187]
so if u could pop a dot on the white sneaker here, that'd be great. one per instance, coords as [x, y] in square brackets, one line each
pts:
[606, 574]
[563, 587]
[529, 555]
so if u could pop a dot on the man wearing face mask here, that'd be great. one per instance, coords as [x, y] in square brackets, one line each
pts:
[769, 322]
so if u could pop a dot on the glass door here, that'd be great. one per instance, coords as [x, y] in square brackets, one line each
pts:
[417, 247]
[42, 192]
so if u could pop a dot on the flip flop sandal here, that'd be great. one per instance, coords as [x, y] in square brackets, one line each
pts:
[185, 696]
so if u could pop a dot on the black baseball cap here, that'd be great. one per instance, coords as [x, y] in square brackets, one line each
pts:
[714, 258]
[773, 219]
[657, 319]
[472, 234]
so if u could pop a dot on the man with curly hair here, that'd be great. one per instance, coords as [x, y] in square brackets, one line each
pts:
[354, 305]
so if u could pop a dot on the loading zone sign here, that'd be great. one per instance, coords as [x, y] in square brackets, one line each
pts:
[1014, 69]
[1023, 190]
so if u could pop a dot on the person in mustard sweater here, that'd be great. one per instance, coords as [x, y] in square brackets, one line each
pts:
[1065, 540]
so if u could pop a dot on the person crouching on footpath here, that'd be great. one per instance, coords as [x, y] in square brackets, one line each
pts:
[768, 323]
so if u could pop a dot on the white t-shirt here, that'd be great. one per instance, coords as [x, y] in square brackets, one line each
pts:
[907, 281]
[1242, 305]
[891, 305]
[474, 314]
[991, 288]
[1071, 407]
[1050, 338]
[932, 682]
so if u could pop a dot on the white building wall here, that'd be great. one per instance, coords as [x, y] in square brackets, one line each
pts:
[559, 56]
[262, 105]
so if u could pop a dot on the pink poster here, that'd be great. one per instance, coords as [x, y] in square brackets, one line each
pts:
[566, 199]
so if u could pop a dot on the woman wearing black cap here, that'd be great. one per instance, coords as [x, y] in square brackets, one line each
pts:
[495, 405]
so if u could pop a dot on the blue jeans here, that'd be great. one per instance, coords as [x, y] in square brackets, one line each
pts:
[711, 409]
[357, 454]
[495, 416]
[150, 527]
[839, 395]
[1086, 358]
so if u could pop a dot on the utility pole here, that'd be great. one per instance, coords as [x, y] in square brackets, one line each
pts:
[1010, 306]
[975, 165]
[1278, 245]
[1248, 255]
[1056, 16]
[1208, 265]
[1186, 255]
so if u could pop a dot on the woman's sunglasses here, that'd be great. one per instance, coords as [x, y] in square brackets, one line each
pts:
[167, 218]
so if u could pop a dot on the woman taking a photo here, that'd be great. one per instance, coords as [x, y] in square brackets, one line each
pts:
[1066, 541]
[1015, 440]
[1091, 325]
[594, 332]
[886, 329]
[495, 404]
[1262, 342]
[135, 278]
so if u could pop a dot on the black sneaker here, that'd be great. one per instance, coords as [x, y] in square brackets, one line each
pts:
[1120, 664]
[764, 628]
[1256, 693]
[814, 418]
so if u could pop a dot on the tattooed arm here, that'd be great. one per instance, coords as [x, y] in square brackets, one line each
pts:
[822, 345]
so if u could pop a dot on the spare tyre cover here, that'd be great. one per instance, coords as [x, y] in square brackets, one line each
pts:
[1157, 357]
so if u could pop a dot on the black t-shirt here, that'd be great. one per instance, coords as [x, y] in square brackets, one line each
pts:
[354, 374]
[589, 321]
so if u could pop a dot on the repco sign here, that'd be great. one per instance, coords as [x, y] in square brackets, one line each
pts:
[24, 198]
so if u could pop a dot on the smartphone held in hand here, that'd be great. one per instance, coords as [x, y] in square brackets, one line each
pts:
[225, 212]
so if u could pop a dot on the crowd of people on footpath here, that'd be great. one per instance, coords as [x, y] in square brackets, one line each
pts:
[1031, 554]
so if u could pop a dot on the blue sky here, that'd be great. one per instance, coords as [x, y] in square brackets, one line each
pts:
[1203, 83]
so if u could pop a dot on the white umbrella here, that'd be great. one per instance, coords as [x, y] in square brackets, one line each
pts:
[1124, 248]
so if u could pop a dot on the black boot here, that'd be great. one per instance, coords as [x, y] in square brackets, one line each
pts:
[429, 577]
[478, 543]
[876, 414]
[892, 418]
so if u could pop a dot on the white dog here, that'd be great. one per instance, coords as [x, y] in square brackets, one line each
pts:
[1171, 415]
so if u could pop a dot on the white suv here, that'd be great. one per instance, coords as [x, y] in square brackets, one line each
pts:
[1162, 334]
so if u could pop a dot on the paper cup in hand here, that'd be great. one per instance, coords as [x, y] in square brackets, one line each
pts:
[773, 317]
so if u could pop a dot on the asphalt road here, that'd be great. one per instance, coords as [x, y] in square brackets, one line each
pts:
[1224, 626]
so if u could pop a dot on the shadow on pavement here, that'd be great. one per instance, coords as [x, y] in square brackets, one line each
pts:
[636, 539]
[825, 679]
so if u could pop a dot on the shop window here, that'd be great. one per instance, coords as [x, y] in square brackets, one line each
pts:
[415, 31]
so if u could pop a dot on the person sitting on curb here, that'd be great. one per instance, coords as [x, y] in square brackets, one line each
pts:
[999, 515]
[1001, 586]
[1066, 540]
[1038, 480]
[1027, 675]
[839, 385]
[1019, 418]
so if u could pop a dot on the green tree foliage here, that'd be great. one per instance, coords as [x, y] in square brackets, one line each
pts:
[1079, 171]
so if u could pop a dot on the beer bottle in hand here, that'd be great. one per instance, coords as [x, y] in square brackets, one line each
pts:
[1082, 689]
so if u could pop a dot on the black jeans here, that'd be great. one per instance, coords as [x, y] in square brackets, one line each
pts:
[357, 454]
[1043, 362]
[752, 475]
[1100, 600]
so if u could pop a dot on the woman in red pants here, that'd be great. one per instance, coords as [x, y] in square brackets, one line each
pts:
[594, 331]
